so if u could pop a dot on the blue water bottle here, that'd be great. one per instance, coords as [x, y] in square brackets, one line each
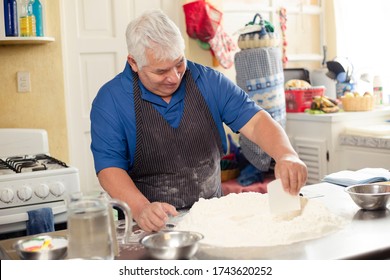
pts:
[37, 11]
[11, 18]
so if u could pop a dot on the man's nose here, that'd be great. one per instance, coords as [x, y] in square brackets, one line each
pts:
[174, 75]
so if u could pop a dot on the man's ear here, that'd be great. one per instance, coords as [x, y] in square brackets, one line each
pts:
[133, 63]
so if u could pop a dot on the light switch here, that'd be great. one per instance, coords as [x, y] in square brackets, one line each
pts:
[23, 78]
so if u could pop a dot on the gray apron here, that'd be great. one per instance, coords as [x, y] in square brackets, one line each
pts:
[177, 165]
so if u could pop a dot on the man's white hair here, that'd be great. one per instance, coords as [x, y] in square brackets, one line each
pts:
[155, 31]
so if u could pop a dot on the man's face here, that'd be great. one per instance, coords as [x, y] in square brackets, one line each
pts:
[161, 77]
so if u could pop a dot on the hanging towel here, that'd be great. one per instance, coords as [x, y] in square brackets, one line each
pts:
[40, 221]
[259, 72]
[223, 48]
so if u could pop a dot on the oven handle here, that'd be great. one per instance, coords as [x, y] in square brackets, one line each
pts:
[23, 217]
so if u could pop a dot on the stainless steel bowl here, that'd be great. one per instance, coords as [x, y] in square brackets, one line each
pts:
[172, 245]
[32, 248]
[370, 196]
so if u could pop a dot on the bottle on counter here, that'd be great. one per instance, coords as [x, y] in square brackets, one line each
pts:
[11, 18]
[27, 19]
[37, 11]
[378, 90]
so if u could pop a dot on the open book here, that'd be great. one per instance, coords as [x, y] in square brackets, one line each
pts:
[361, 176]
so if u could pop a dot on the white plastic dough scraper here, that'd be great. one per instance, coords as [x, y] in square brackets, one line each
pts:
[281, 201]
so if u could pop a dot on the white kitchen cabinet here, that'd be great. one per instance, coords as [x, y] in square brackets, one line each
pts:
[304, 18]
[316, 139]
[355, 158]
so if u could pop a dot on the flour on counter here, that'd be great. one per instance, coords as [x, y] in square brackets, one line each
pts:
[244, 220]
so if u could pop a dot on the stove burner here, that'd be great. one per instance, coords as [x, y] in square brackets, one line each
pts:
[33, 164]
[5, 168]
[30, 163]
[50, 160]
[5, 165]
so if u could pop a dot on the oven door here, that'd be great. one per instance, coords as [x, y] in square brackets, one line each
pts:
[13, 220]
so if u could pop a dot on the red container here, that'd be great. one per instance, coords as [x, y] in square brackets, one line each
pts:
[299, 99]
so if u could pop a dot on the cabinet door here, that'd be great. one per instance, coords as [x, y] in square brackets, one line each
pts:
[94, 47]
[313, 152]
[355, 158]
[305, 23]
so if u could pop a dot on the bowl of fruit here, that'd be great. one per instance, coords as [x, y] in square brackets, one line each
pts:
[354, 101]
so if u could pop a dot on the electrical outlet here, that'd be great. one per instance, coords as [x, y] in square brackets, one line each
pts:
[23, 78]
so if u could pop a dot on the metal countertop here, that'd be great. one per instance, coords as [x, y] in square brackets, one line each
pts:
[367, 236]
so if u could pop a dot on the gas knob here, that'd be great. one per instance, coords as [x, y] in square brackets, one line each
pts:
[42, 190]
[24, 193]
[57, 189]
[6, 195]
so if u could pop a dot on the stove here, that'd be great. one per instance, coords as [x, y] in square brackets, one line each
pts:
[29, 163]
[31, 179]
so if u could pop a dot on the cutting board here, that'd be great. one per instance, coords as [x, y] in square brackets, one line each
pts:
[280, 201]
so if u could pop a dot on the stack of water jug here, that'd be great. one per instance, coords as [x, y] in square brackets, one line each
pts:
[23, 18]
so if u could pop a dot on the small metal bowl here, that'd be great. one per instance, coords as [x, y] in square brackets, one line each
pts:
[33, 248]
[370, 196]
[172, 245]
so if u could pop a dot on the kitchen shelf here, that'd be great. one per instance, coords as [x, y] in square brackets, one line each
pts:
[299, 11]
[25, 40]
[305, 57]
[4, 40]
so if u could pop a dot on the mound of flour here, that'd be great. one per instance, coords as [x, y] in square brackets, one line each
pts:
[244, 220]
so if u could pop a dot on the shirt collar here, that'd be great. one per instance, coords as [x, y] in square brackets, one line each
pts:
[153, 98]
[127, 78]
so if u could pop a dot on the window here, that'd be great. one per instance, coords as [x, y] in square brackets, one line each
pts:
[361, 36]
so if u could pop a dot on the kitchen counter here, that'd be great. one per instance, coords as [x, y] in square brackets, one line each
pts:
[365, 237]
[316, 138]
[380, 114]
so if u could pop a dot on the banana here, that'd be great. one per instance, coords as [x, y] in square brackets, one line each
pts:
[334, 101]
[324, 104]
[327, 102]
[316, 103]
[333, 109]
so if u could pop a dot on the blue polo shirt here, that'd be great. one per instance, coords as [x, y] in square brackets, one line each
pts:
[113, 125]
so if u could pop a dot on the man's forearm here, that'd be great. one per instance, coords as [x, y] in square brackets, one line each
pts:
[269, 135]
[118, 184]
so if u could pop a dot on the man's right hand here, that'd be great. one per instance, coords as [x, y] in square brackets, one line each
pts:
[154, 216]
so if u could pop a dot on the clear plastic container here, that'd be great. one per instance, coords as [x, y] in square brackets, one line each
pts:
[378, 90]
[27, 19]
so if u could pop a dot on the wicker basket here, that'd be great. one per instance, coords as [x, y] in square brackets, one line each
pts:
[260, 34]
[358, 103]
